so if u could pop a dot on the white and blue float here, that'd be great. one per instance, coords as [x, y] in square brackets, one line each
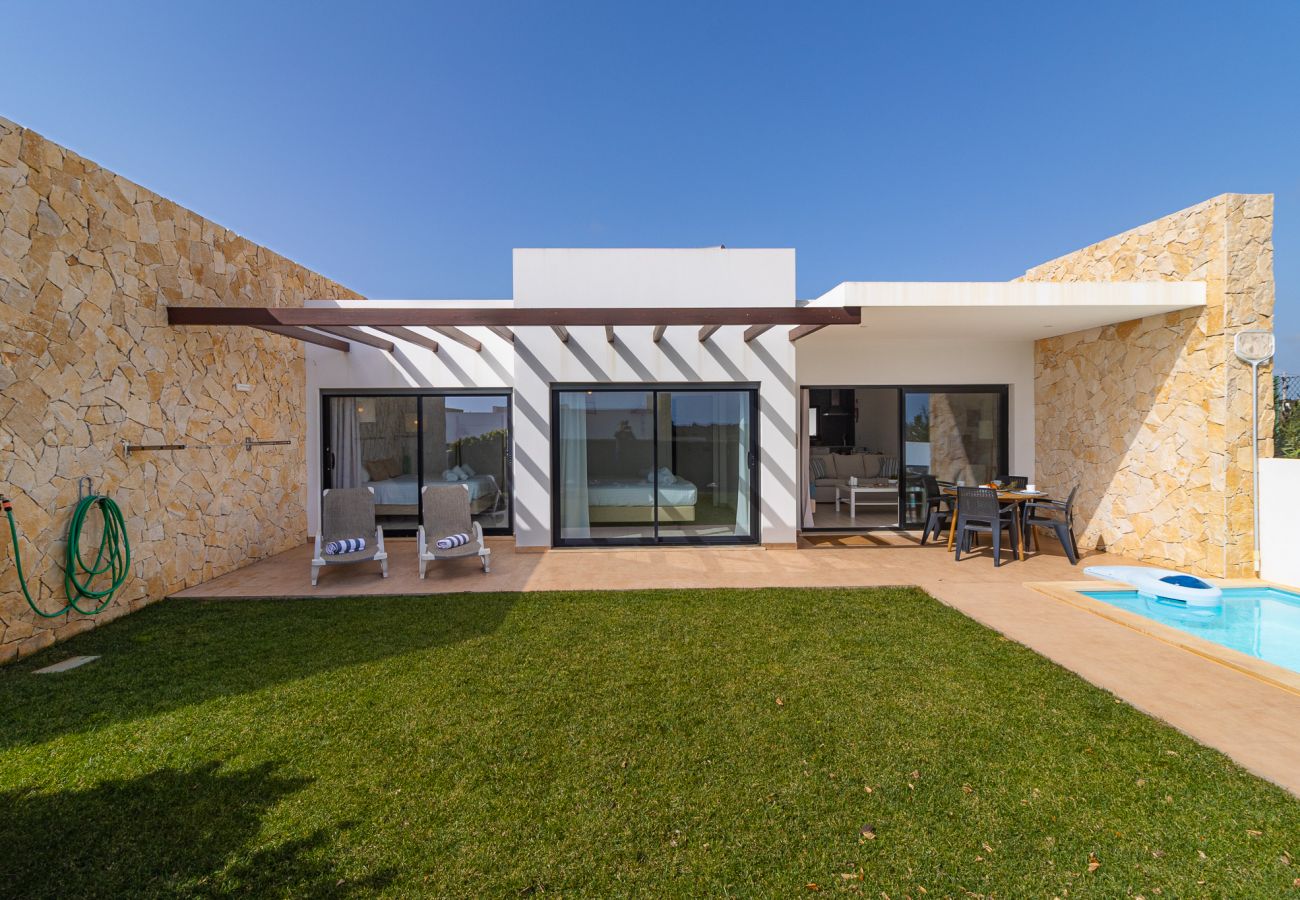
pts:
[1163, 585]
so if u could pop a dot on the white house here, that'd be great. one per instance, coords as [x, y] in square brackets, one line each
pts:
[679, 428]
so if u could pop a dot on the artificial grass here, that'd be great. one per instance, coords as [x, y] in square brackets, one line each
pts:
[773, 742]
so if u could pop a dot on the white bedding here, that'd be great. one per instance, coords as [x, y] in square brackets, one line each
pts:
[601, 492]
[404, 489]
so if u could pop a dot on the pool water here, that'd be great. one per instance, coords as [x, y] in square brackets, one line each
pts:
[1260, 622]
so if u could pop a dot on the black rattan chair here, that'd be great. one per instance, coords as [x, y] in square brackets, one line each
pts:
[979, 512]
[1057, 515]
[938, 509]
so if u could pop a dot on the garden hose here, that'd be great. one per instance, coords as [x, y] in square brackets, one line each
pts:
[112, 558]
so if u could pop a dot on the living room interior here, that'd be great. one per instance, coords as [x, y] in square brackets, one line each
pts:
[863, 440]
[854, 453]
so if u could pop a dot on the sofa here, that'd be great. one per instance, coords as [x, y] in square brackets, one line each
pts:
[829, 469]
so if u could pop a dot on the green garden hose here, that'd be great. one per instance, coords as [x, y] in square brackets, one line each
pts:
[112, 558]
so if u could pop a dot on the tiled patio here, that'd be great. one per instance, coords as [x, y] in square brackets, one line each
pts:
[1256, 723]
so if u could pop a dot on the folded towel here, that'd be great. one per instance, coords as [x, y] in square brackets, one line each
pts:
[452, 540]
[347, 545]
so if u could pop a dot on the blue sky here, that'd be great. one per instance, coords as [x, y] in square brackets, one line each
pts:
[405, 149]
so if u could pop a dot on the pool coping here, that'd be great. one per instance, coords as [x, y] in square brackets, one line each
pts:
[1270, 673]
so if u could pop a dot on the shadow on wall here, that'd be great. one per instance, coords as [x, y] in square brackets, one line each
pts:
[182, 652]
[1090, 427]
[172, 832]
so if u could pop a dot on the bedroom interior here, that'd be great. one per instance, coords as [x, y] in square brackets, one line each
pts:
[654, 465]
[393, 444]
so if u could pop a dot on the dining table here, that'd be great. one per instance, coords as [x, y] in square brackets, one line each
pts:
[1005, 496]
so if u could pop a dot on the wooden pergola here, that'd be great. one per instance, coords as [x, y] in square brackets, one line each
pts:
[335, 327]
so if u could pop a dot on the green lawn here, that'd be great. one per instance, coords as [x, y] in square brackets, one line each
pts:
[726, 743]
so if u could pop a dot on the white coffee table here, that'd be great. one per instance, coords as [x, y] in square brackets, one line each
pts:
[864, 495]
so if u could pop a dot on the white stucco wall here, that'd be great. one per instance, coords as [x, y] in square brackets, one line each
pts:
[849, 356]
[1279, 535]
[641, 278]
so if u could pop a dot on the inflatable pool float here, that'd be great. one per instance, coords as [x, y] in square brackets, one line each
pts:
[1162, 584]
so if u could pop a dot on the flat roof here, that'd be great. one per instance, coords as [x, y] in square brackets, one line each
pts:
[1009, 310]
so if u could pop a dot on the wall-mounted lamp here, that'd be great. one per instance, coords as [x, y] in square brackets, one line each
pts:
[1255, 348]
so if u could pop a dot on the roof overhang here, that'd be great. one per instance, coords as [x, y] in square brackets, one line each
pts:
[1010, 311]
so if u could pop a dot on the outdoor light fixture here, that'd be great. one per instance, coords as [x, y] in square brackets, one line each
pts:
[1256, 348]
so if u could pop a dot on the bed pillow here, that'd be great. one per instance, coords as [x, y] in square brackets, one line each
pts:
[460, 473]
[448, 475]
[376, 469]
[469, 473]
[393, 468]
[666, 476]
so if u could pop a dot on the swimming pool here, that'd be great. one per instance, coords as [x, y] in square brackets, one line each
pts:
[1262, 622]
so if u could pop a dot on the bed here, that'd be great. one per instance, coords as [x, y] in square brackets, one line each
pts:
[400, 496]
[619, 501]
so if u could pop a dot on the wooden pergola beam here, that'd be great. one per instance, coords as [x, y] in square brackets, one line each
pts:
[659, 333]
[502, 332]
[459, 336]
[609, 333]
[361, 337]
[377, 316]
[413, 337]
[309, 337]
[801, 331]
[706, 332]
[561, 332]
[754, 331]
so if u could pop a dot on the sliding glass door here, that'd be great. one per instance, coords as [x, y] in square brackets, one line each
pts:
[957, 435]
[869, 450]
[656, 465]
[396, 443]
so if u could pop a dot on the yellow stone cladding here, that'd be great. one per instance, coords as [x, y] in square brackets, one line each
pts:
[1151, 418]
[88, 263]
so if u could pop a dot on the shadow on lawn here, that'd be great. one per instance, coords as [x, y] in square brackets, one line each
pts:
[181, 652]
[186, 832]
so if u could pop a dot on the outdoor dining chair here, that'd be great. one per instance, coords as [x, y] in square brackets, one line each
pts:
[345, 514]
[1058, 516]
[938, 509]
[979, 512]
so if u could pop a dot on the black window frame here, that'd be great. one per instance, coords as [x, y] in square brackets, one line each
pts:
[754, 457]
[1003, 392]
[326, 470]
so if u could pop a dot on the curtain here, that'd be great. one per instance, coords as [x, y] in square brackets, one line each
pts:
[345, 442]
[575, 513]
[743, 478]
[805, 462]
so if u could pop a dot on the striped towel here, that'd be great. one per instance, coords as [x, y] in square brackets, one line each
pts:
[452, 540]
[347, 545]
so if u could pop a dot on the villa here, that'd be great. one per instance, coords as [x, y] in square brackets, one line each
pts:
[705, 616]
[620, 397]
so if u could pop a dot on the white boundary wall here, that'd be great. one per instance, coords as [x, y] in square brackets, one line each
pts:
[1279, 530]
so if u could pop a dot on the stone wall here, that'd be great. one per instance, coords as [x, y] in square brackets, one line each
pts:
[1151, 418]
[88, 263]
